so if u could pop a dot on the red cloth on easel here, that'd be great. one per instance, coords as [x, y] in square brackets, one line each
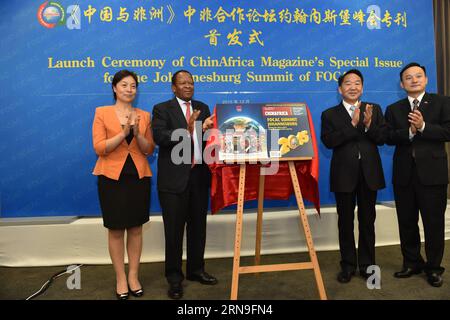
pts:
[225, 179]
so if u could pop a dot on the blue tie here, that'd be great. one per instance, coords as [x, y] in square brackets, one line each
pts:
[352, 111]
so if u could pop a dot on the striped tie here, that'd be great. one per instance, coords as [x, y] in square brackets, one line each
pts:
[415, 104]
[415, 107]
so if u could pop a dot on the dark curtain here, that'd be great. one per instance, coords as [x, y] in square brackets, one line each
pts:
[442, 37]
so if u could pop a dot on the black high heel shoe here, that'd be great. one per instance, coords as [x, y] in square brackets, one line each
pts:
[122, 296]
[137, 293]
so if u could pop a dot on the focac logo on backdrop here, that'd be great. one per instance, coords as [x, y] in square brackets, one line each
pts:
[52, 14]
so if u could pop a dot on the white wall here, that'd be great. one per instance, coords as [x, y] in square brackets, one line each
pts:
[64, 241]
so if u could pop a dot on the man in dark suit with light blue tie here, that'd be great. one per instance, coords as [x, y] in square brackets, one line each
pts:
[354, 129]
[419, 126]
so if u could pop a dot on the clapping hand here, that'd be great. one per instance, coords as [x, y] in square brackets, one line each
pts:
[127, 126]
[136, 133]
[192, 120]
[368, 116]
[415, 118]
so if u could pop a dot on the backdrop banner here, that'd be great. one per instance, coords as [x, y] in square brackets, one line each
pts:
[58, 59]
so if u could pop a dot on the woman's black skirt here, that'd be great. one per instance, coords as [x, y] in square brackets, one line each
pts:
[125, 203]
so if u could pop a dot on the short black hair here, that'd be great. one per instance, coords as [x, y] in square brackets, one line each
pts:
[410, 65]
[174, 76]
[354, 71]
[120, 75]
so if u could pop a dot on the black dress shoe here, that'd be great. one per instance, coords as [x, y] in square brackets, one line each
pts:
[345, 276]
[435, 279]
[407, 272]
[175, 291]
[203, 278]
[122, 296]
[137, 293]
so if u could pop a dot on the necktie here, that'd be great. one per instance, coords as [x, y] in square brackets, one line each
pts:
[188, 116]
[188, 111]
[415, 107]
[352, 111]
[415, 104]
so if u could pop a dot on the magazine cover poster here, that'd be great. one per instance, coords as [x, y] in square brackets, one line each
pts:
[261, 131]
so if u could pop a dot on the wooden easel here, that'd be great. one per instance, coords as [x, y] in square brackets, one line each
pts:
[237, 269]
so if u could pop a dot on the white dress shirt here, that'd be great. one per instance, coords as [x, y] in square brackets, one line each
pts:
[348, 106]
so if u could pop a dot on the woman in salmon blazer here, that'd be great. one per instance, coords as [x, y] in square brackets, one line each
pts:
[122, 139]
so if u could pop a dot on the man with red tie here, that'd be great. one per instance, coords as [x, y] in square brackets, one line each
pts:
[183, 181]
[419, 126]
